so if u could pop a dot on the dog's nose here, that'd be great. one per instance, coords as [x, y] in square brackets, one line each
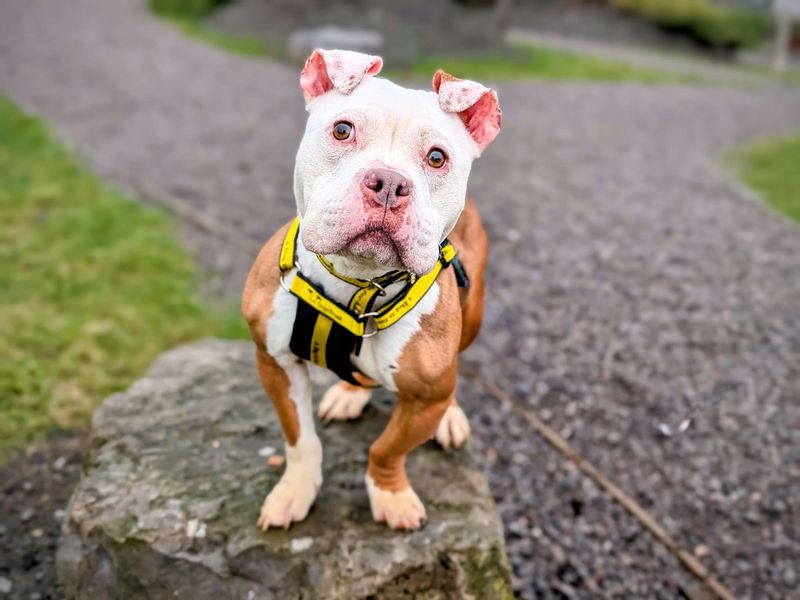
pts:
[387, 188]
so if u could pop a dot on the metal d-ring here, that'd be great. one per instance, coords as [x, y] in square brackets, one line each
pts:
[370, 318]
[378, 286]
[284, 285]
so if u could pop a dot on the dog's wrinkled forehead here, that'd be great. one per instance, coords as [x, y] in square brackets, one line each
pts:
[393, 106]
[458, 106]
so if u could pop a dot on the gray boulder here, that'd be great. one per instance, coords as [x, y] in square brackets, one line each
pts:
[176, 473]
[303, 42]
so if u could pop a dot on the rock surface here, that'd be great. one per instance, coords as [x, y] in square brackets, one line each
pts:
[176, 474]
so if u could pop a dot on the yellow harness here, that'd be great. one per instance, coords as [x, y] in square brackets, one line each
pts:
[326, 332]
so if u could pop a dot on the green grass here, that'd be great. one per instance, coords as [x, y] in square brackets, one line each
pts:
[190, 9]
[92, 287]
[187, 16]
[535, 62]
[770, 166]
[244, 46]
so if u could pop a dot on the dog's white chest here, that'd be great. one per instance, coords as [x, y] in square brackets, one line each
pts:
[380, 355]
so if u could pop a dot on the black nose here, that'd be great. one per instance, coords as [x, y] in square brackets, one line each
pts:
[387, 188]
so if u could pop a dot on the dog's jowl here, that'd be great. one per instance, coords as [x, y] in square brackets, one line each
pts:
[380, 277]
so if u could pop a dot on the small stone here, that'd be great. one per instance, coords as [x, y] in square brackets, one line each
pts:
[27, 486]
[60, 463]
[701, 551]
[37, 533]
[215, 444]
[59, 514]
[195, 528]
[27, 515]
[266, 451]
[5, 585]
[790, 577]
[752, 516]
[301, 544]
[275, 461]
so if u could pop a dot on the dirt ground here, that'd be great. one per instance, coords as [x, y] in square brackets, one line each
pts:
[33, 498]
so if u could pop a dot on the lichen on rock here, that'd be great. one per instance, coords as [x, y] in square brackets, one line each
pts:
[168, 502]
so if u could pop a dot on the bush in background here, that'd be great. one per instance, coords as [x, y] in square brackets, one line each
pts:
[709, 24]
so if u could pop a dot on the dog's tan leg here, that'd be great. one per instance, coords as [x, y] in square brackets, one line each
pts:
[343, 401]
[453, 429]
[391, 496]
[289, 387]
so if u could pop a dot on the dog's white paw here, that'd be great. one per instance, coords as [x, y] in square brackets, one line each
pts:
[399, 510]
[288, 502]
[343, 401]
[453, 429]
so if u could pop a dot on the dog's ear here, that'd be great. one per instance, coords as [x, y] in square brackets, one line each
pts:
[476, 105]
[341, 70]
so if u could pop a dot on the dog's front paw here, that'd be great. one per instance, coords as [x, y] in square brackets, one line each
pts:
[288, 502]
[343, 401]
[399, 510]
[453, 429]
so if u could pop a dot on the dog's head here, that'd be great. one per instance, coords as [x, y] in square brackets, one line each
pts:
[381, 173]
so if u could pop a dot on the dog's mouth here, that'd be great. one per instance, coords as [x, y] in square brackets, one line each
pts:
[375, 244]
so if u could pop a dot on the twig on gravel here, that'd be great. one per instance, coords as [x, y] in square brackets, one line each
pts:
[694, 566]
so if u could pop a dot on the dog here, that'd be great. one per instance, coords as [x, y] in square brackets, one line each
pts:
[380, 278]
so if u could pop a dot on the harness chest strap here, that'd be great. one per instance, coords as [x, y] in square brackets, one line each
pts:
[326, 332]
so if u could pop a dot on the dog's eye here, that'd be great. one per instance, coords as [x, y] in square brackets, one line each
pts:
[437, 158]
[342, 130]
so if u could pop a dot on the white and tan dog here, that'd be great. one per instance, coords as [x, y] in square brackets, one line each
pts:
[380, 181]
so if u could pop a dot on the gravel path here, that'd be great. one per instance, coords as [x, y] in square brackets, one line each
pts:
[632, 282]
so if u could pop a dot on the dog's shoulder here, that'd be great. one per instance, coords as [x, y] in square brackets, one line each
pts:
[428, 361]
[262, 283]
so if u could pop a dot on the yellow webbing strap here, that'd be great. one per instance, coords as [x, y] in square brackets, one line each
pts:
[303, 289]
[289, 247]
[319, 340]
[361, 299]
[398, 308]
[448, 252]
[348, 317]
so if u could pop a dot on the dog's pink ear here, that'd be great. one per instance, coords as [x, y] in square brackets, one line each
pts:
[475, 104]
[342, 70]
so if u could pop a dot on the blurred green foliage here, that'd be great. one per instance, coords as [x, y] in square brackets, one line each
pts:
[187, 15]
[708, 23]
[525, 61]
[772, 167]
[245, 46]
[185, 8]
[92, 287]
